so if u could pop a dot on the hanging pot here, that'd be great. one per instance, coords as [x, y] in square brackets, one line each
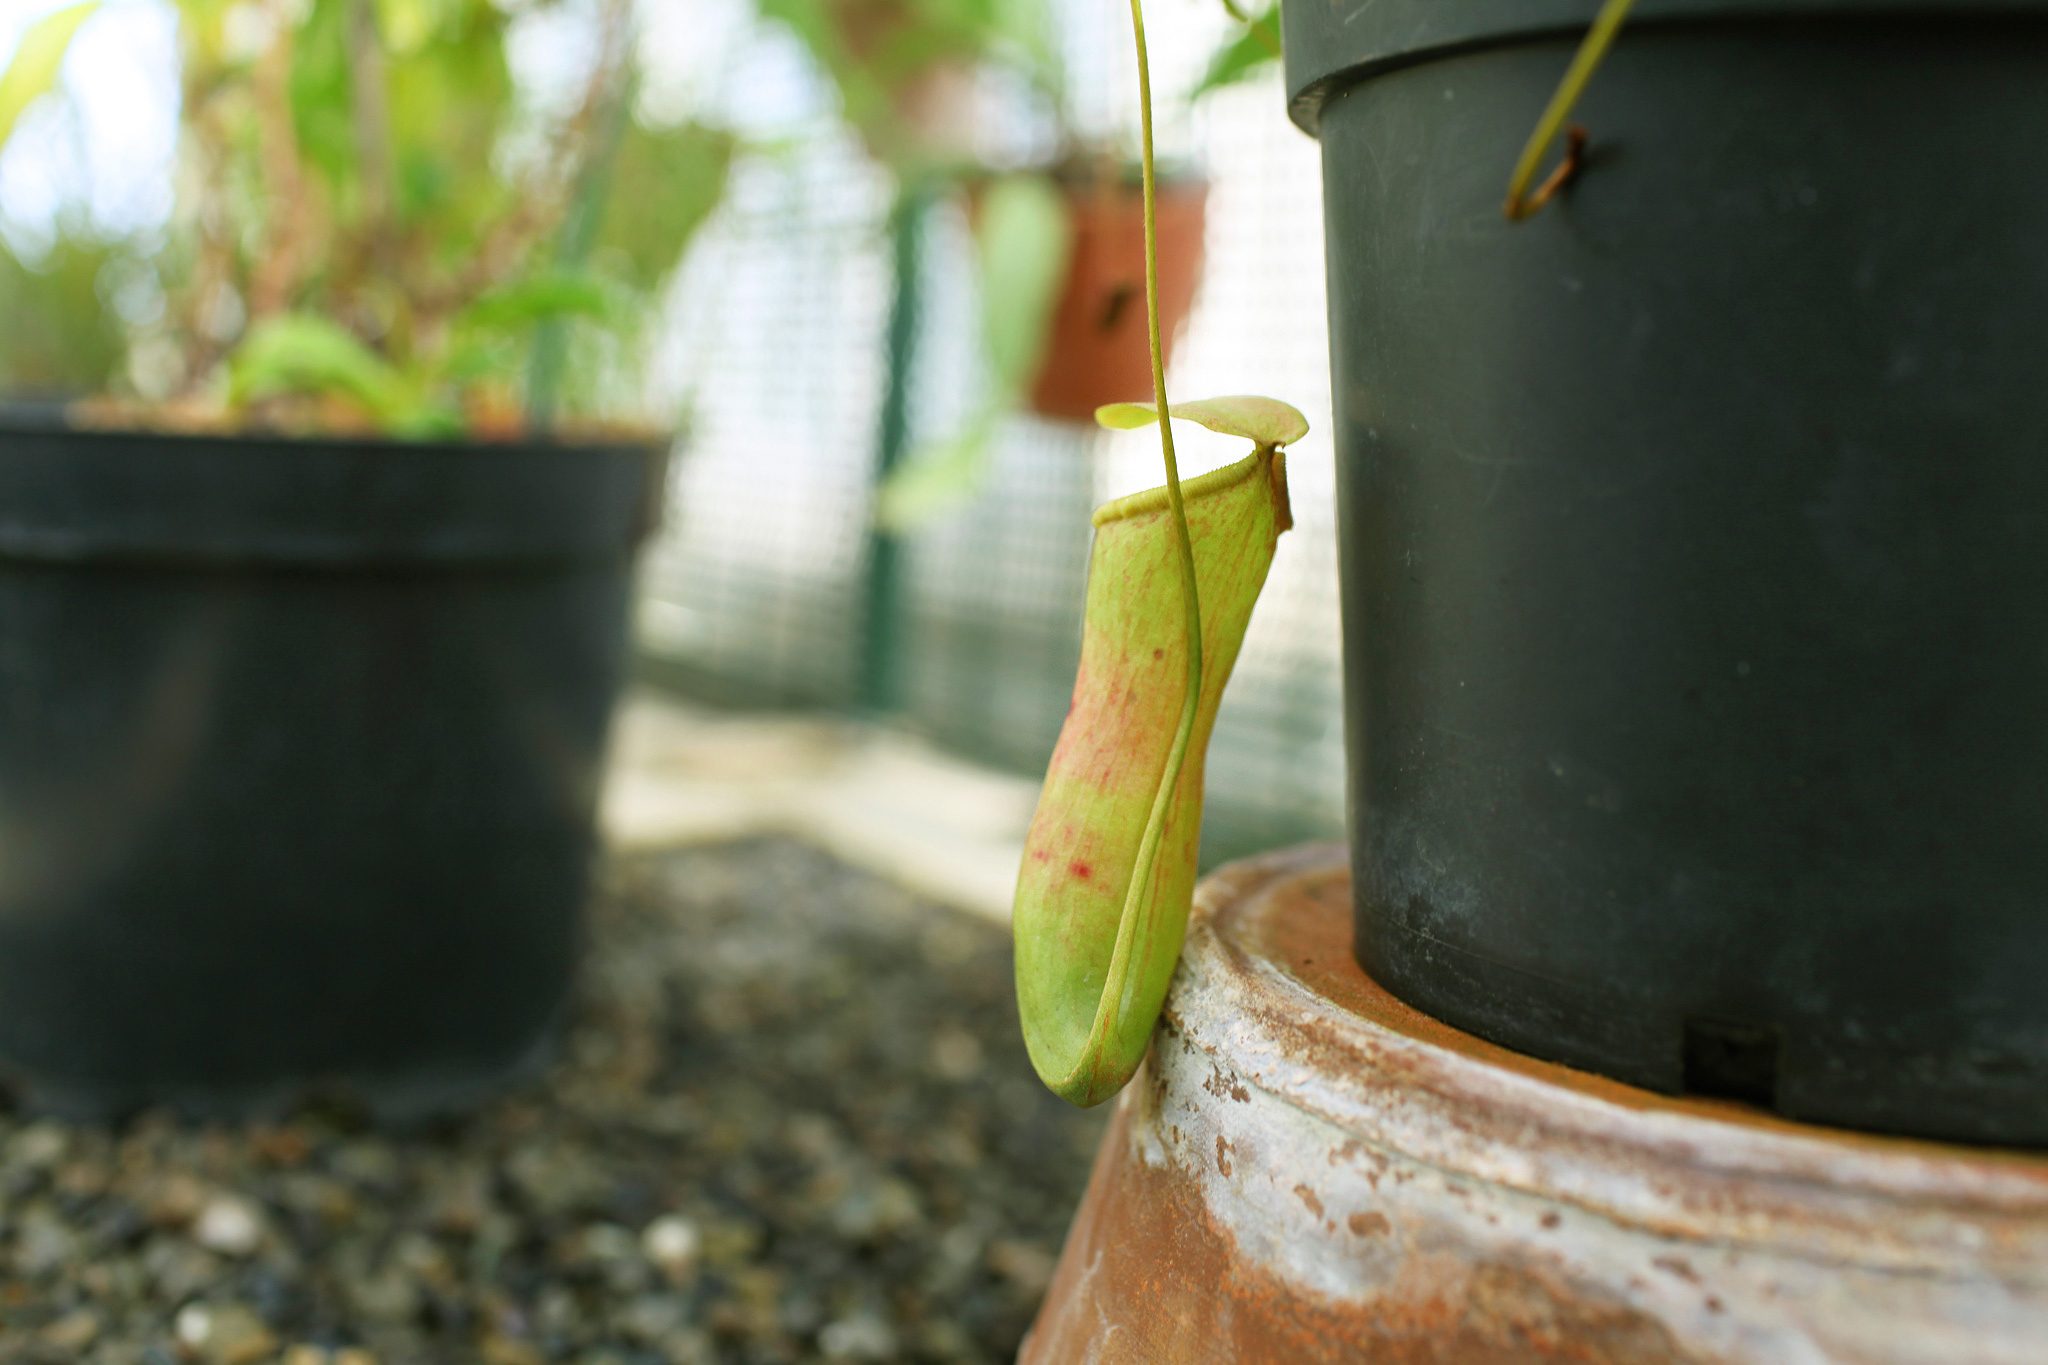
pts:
[1097, 351]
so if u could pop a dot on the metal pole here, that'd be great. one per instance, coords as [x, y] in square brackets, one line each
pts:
[882, 642]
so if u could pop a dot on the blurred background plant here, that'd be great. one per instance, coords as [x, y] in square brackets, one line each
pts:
[59, 338]
[375, 227]
[909, 75]
[906, 70]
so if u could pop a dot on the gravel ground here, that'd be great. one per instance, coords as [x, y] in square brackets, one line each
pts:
[792, 1120]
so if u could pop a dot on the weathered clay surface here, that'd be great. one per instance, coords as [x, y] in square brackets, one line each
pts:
[1307, 1170]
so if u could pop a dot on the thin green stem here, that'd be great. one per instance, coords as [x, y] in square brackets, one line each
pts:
[578, 236]
[1117, 986]
[1585, 62]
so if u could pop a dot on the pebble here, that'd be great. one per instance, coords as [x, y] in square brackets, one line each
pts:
[229, 1225]
[178, 1270]
[389, 1295]
[71, 1333]
[791, 1120]
[222, 1334]
[37, 1147]
[174, 1199]
[1029, 1267]
[858, 1338]
[671, 1242]
[43, 1243]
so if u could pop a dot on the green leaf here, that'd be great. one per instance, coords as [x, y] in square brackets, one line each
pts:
[37, 61]
[320, 94]
[1095, 950]
[449, 93]
[933, 480]
[1263, 421]
[409, 25]
[664, 183]
[549, 294]
[1023, 235]
[301, 353]
[1254, 50]
[1024, 238]
[60, 338]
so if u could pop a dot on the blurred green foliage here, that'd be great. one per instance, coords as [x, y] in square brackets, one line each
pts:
[37, 58]
[377, 229]
[439, 230]
[892, 61]
[61, 339]
[1246, 55]
[895, 62]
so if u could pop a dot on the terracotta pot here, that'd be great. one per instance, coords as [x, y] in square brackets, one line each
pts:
[1306, 1169]
[1097, 352]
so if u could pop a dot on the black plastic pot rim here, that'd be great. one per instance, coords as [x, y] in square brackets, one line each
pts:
[49, 419]
[80, 495]
[1332, 45]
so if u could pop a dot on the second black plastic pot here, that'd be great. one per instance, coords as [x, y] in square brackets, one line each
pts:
[299, 751]
[1695, 543]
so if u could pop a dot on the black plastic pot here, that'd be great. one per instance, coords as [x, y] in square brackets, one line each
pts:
[299, 749]
[1695, 542]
